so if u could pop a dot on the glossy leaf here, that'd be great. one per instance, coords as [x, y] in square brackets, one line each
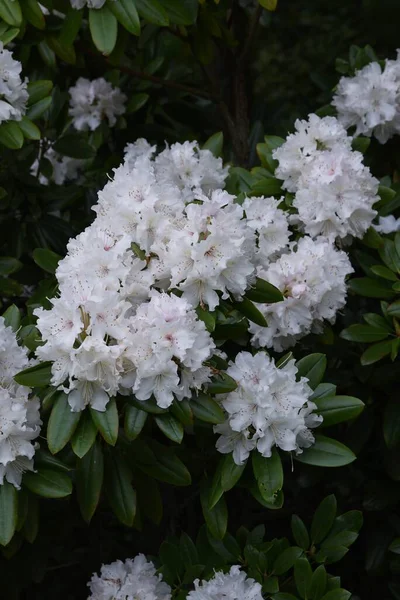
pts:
[170, 427]
[62, 424]
[326, 453]
[107, 422]
[337, 409]
[206, 409]
[103, 28]
[36, 376]
[134, 421]
[268, 473]
[89, 481]
[119, 490]
[8, 512]
[127, 15]
[323, 519]
[313, 368]
[48, 483]
[46, 259]
[84, 435]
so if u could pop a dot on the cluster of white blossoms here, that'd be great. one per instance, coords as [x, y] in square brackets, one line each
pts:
[333, 190]
[268, 408]
[387, 224]
[64, 168]
[311, 277]
[234, 585]
[370, 101]
[92, 101]
[78, 4]
[13, 90]
[19, 416]
[133, 579]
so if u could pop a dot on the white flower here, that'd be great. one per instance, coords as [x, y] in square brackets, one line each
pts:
[13, 90]
[92, 101]
[370, 100]
[268, 408]
[387, 224]
[311, 277]
[78, 4]
[19, 417]
[64, 168]
[135, 579]
[334, 191]
[234, 585]
[271, 224]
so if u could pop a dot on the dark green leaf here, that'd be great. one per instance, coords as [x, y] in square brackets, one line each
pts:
[134, 421]
[33, 13]
[338, 594]
[206, 409]
[247, 308]
[326, 453]
[10, 11]
[9, 265]
[11, 135]
[29, 129]
[393, 310]
[89, 481]
[37, 376]
[38, 109]
[270, 186]
[269, 4]
[8, 512]
[46, 259]
[48, 483]
[313, 368]
[149, 406]
[153, 12]
[120, 493]
[74, 145]
[302, 576]
[136, 102]
[170, 427]
[318, 583]
[323, 519]
[182, 411]
[337, 409]
[12, 317]
[286, 560]
[300, 533]
[268, 473]
[364, 333]
[104, 28]
[216, 518]
[215, 144]
[127, 15]
[391, 423]
[62, 424]
[221, 384]
[370, 288]
[188, 551]
[376, 352]
[230, 472]
[395, 546]
[84, 435]
[64, 51]
[323, 390]
[181, 12]
[70, 27]
[107, 422]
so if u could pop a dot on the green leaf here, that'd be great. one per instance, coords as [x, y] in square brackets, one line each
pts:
[84, 435]
[269, 4]
[74, 145]
[376, 352]
[268, 473]
[160, 462]
[395, 546]
[323, 519]
[10, 11]
[302, 576]
[247, 308]
[182, 410]
[33, 13]
[136, 102]
[48, 483]
[47, 460]
[221, 384]
[11, 135]
[285, 561]
[318, 583]
[29, 129]
[216, 518]
[107, 422]
[31, 526]
[300, 533]
[338, 594]
[8, 512]
[337, 409]
[364, 333]
[89, 481]
[149, 406]
[70, 27]
[153, 12]
[188, 550]
[37, 376]
[206, 409]
[38, 90]
[127, 15]
[119, 490]
[323, 390]
[230, 472]
[104, 29]
[393, 310]
[313, 368]
[12, 317]
[181, 12]
[270, 186]
[47, 55]
[38, 109]
[46, 259]
[10, 287]
[170, 427]
[360, 144]
[326, 453]
[384, 272]
[134, 421]
[62, 424]
[62, 50]
[9, 265]
[370, 288]
[215, 144]
[9, 35]
[390, 255]
[391, 423]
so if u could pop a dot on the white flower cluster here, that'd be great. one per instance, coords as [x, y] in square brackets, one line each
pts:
[370, 101]
[64, 168]
[92, 101]
[234, 585]
[311, 277]
[387, 224]
[133, 579]
[268, 408]
[334, 191]
[19, 417]
[13, 91]
[78, 4]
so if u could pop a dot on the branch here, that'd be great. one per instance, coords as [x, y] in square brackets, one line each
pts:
[250, 37]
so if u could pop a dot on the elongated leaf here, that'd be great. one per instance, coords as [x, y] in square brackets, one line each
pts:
[391, 424]
[215, 144]
[160, 462]
[364, 333]
[38, 90]
[31, 525]
[119, 490]
[127, 15]
[286, 560]
[206, 409]
[62, 50]
[323, 519]
[230, 472]
[221, 384]
[183, 412]
[326, 453]
[302, 576]
[46, 259]
[70, 27]
[84, 435]
[269, 4]
[170, 427]
[149, 406]
[37, 376]
[300, 533]
[11, 135]
[48, 483]
[38, 109]
[62, 424]
[370, 288]
[89, 481]
[107, 422]
[318, 583]
[47, 460]
[216, 518]
[313, 368]
[10, 11]
[9, 264]
[29, 129]
[268, 473]
[12, 317]
[74, 145]
[376, 352]
[153, 12]
[337, 409]
[249, 310]
[181, 12]
[264, 292]
[33, 13]
[104, 28]
[134, 421]
[8, 512]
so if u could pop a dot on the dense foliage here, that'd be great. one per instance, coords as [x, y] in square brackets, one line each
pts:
[201, 311]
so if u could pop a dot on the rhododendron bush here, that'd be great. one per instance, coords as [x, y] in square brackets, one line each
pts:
[200, 302]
